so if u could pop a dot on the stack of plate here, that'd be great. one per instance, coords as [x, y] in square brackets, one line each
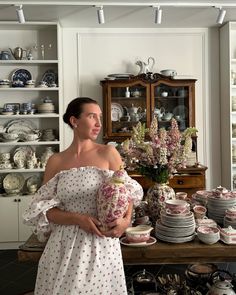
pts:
[46, 107]
[217, 205]
[175, 228]
[119, 76]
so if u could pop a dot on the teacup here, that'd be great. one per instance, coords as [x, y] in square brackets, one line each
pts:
[181, 195]
[176, 206]
[199, 211]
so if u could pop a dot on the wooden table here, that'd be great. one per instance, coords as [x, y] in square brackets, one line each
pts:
[159, 253]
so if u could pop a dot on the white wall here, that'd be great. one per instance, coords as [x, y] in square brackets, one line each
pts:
[88, 55]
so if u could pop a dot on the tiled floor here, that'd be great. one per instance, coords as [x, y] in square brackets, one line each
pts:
[16, 278]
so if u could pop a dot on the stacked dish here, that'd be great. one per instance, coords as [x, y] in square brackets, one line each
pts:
[218, 203]
[46, 107]
[175, 228]
[4, 83]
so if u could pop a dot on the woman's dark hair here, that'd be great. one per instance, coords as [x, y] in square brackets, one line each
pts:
[75, 108]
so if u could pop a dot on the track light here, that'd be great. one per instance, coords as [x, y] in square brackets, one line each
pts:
[158, 15]
[221, 15]
[20, 14]
[100, 13]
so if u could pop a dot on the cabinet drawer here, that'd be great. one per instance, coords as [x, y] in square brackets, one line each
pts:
[188, 181]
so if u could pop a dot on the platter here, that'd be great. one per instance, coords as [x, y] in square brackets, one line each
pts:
[13, 181]
[33, 180]
[125, 75]
[117, 111]
[21, 75]
[150, 242]
[50, 77]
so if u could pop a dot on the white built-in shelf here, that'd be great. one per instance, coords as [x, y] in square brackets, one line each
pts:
[27, 62]
[55, 142]
[32, 89]
[21, 170]
[34, 116]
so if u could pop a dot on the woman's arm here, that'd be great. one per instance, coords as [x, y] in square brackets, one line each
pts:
[86, 222]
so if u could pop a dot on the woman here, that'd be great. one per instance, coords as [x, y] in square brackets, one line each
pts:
[78, 257]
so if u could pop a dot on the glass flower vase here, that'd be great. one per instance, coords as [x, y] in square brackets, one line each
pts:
[156, 197]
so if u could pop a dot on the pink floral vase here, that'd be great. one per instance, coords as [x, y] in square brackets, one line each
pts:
[113, 199]
[156, 197]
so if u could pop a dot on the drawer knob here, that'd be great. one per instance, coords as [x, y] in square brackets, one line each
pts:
[180, 181]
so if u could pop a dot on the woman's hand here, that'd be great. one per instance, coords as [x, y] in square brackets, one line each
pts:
[89, 224]
[117, 227]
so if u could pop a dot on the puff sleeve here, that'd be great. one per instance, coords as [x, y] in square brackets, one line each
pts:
[45, 199]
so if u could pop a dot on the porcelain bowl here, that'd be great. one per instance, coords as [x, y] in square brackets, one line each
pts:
[208, 234]
[138, 234]
[176, 206]
[10, 136]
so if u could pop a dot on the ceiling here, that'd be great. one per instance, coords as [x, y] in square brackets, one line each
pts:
[121, 14]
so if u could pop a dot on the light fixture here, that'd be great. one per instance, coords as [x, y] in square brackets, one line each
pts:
[100, 13]
[20, 13]
[221, 15]
[158, 15]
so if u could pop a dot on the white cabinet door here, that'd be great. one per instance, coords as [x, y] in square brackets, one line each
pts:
[24, 230]
[9, 219]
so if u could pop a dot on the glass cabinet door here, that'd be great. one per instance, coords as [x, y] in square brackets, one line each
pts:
[127, 105]
[172, 101]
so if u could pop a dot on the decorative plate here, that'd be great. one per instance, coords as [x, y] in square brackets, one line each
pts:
[33, 180]
[181, 111]
[117, 111]
[50, 77]
[150, 242]
[22, 75]
[22, 153]
[13, 181]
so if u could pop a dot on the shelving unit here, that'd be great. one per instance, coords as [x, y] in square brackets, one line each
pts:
[28, 36]
[228, 113]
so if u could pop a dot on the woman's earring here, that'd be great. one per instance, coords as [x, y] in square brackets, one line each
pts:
[75, 126]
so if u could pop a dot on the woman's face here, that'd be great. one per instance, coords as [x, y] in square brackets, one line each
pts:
[89, 123]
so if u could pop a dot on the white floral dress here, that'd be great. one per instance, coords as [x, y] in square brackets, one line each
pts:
[76, 262]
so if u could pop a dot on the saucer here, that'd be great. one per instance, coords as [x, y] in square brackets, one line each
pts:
[150, 242]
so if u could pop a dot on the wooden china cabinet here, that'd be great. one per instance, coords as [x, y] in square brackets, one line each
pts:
[130, 99]
[138, 98]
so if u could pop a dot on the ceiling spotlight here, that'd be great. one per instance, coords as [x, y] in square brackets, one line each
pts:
[158, 15]
[221, 15]
[20, 14]
[100, 13]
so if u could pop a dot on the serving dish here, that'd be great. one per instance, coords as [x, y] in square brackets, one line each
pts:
[138, 234]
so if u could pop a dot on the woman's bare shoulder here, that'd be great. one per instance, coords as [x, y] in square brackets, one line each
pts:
[54, 165]
[111, 154]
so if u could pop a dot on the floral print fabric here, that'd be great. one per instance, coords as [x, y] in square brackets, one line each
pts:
[76, 262]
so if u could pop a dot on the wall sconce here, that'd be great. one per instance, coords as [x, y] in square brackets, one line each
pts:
[20, 14]
[221, 15]
[158, 15]
[100, 13]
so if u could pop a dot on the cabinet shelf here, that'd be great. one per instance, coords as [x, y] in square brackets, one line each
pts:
[48, 116]
[56, 142]
[27, 62]
[21, 170]
[29, 89]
